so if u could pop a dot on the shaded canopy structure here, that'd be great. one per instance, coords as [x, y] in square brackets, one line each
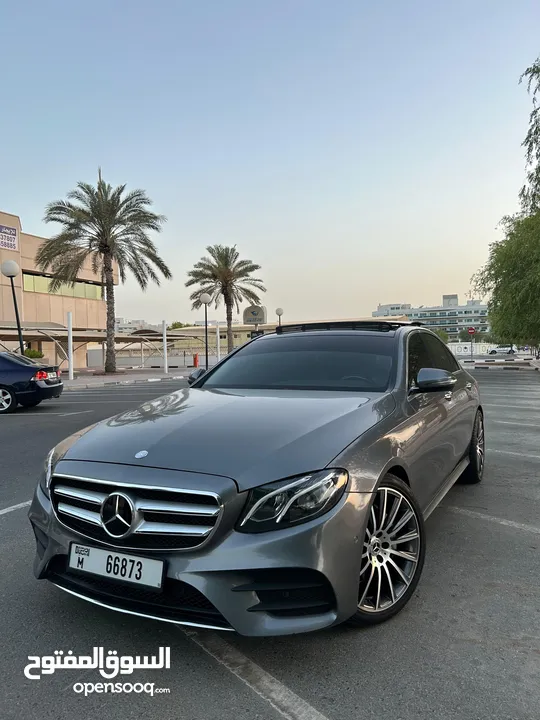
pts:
[58, 334]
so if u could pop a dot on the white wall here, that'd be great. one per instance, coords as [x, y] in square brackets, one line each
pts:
[464, 348]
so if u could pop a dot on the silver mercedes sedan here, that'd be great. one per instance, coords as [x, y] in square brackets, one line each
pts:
[284, 491]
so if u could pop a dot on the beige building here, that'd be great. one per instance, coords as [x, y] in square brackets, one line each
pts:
[38, 308]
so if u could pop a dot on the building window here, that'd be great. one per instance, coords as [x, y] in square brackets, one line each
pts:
[28, 283]
[41, 284]
[92, 292]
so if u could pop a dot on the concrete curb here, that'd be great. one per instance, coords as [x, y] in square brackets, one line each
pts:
[111, 383]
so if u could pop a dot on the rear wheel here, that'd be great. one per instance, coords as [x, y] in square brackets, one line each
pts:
[392, 555]
[477, 453]
[29, 403]
[8, 401]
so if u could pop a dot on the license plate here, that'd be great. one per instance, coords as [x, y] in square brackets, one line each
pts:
[117, 566]
[52, 375]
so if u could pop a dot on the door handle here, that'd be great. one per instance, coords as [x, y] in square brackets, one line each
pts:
[468, 386]
[448, 395]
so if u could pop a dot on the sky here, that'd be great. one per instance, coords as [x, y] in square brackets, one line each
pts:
[361, 152]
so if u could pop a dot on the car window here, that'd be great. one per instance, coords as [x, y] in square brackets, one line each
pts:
[356, 362]
[439, 354]
[417, 358]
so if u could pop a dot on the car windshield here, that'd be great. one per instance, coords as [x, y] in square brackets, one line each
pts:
[356, 363]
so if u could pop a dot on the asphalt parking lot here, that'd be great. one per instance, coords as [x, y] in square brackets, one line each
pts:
[467, 646]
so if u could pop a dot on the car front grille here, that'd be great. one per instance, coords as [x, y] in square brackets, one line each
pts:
[164, 519]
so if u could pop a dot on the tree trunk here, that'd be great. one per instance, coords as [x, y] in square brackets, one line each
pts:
[229, 308]
[110, 355]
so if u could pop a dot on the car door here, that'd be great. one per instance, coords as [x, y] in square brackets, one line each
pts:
[6, 371]
[460, 406]
[424, 439]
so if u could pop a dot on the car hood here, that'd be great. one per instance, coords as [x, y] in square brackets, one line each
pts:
[253, 437]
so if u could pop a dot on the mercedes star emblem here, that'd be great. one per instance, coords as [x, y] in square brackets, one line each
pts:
[117, 515]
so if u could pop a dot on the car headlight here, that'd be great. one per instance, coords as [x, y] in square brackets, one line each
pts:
[293, 501]
[48, 467]
[56, 454]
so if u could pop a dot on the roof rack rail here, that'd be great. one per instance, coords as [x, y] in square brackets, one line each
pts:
[375, 325]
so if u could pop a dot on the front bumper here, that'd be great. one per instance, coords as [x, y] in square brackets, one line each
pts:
[289, 581]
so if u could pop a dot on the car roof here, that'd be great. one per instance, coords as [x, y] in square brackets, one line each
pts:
[375, 328]
[331, 333]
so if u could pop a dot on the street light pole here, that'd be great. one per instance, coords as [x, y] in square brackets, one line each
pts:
[206, 299]
[10, 269]
[279, 313]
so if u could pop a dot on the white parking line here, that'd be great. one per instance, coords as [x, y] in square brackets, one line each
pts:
[529, 406]
[120, 393]
[514, 452]
[491, 518]
[7, 510]
[43, 413]
[285, 701]
[514, 422]
[78, 412]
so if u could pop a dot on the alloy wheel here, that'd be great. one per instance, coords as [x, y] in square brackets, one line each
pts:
[391, 551]
[480, 447]
[5, 400]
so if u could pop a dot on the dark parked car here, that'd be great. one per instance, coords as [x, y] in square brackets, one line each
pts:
[26, 382]
[284, 491]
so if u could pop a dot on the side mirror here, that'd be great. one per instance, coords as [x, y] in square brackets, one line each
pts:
[433, 379]
[195, 375]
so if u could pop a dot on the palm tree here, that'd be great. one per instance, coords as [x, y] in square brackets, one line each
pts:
[108, 226]
[224, 275]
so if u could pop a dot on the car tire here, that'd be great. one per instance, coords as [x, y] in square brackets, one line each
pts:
[477, 453]
[8, 400]
[392, 559]
[29, 403]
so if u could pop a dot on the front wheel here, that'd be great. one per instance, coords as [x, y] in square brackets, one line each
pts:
[392, 555]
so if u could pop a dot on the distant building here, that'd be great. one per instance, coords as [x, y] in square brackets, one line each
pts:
[39, 308]
[450, 316]
[124, 325]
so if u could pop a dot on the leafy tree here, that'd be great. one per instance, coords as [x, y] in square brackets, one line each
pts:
[107, 226]
[177, 325]
[225, 277]
[442, 334]
[530, 192]
[512, 278]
